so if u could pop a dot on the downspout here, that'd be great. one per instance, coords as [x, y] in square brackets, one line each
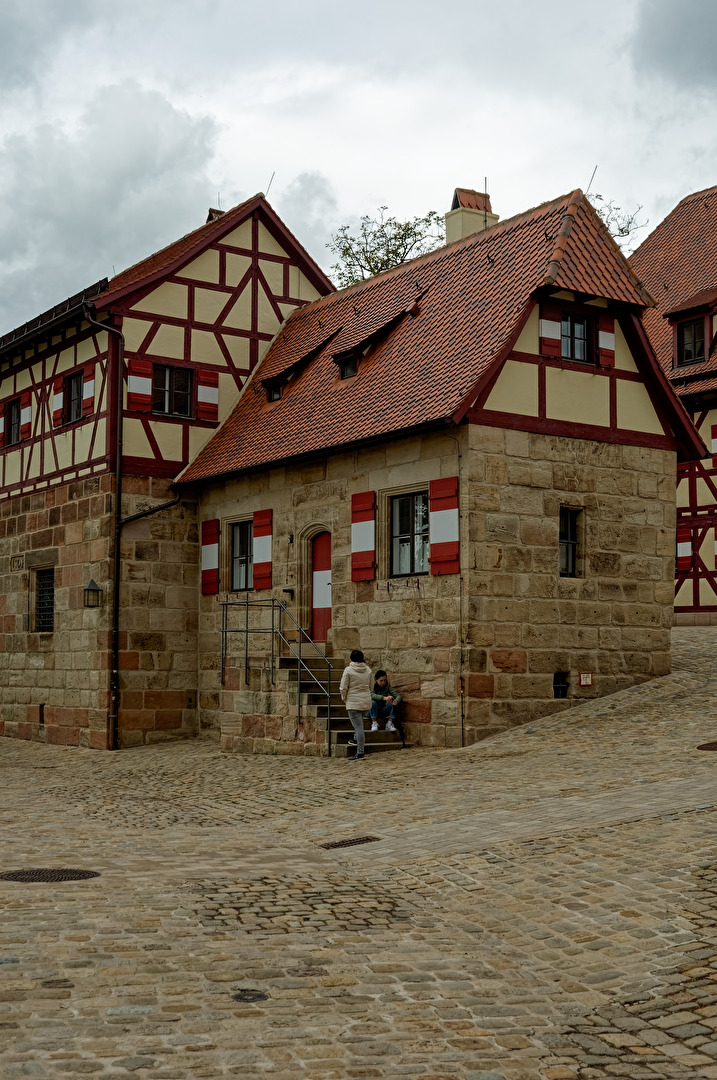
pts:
[119, 523]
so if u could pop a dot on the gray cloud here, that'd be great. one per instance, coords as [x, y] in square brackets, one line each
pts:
[676, 42]
[75, 206]
[309, 206]
[30, 32]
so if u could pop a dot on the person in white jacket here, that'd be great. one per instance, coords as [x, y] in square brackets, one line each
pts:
[355, 691]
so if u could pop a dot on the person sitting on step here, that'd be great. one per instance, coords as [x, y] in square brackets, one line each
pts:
[385, 700]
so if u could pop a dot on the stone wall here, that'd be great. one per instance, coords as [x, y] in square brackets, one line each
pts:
[54, 687]
[477, 652]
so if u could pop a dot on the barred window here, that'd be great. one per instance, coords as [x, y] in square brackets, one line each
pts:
[568, 541]
[45, 600]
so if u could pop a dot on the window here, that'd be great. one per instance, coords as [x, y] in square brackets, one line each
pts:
[691, 341]
[561, 682]
[568, 541]
[45, 600]
[273, 392]
[242, 536]
[409, 534]
[349, 367]
[12, 422]
[73, 397]
[171, 390]
[575, 338]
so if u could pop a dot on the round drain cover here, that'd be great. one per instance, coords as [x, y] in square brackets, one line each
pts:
[708, 746]
[49, 874]
[250, 995]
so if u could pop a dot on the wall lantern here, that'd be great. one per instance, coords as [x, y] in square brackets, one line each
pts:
[92, 594]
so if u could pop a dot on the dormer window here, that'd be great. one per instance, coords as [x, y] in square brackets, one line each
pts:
[348, 367]
[274, 392]
[575, 338]
[691, 341]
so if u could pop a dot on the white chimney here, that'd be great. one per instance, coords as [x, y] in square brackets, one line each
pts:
[470, 213]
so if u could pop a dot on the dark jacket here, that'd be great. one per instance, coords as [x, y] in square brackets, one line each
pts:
[380, 692]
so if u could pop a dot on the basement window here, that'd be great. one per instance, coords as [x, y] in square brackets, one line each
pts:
[561, 682]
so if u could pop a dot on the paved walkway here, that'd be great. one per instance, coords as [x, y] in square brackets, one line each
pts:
[542, 906]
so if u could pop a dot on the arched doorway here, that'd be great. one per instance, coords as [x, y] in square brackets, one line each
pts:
[320, 585]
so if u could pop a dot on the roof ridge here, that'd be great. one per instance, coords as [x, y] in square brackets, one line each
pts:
[435, 253]
[207, 225]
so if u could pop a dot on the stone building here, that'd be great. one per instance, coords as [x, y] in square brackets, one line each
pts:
[103, 401]
[466, 468]
[678, 264]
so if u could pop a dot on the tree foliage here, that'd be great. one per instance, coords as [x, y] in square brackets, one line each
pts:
[382, 242]
[621, 224]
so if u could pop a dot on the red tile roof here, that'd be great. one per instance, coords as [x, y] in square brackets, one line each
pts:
[181, 251]
[678, 262]
[419, 366]
[469, 199]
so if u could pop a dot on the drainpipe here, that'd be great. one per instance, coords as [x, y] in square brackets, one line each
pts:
[461, 655]
[119, 523]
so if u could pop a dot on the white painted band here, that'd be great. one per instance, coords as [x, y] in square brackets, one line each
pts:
[139, 384]
[261, 549]
[443, 526]
[606, 340]
[58, 400]
[363, 536]
[210, 556]
[208, 394]
[550, 329]
[88, 389]
[26, 415]
[684, 550]
[322, 589]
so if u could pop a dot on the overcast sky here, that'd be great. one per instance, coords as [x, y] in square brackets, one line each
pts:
[122, 123]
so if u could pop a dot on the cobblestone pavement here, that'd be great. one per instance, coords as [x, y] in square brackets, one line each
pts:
[541, 906]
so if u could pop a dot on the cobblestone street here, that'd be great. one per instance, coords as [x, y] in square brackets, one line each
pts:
[541, 906]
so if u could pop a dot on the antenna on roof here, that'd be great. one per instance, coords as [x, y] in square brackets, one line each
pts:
[270, 183]
[219, 201]
[587, 189]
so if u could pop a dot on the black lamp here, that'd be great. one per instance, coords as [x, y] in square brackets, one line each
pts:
[92, 594]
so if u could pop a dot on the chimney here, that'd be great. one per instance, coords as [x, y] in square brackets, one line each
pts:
[470, 213]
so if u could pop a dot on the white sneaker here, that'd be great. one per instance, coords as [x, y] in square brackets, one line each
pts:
[374, 725]
[389, 725]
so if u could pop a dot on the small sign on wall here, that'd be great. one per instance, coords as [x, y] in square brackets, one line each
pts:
[586, 678]
[17, 562]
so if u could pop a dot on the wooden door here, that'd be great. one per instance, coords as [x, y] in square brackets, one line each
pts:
[320, 586]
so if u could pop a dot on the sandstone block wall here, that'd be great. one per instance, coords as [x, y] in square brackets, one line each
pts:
[54, 687]
[477, 652]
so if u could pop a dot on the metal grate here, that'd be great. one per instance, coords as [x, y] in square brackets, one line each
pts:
[49, 874]
[708, 746]
[352, 843]
[45, 600]
[250, 995]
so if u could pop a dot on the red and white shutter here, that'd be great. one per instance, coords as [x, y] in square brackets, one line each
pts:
[139, 385]
[606, 341]
[261, 548]
[443, 531]
[88, 390]
[58, 401]
[714, 445]
[25, 414]
[208, 395]
[550, 323]
[363, 536]
[210, 557]
[2, 424]
[684, 549]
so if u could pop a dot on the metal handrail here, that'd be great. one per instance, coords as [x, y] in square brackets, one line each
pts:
[279, 612]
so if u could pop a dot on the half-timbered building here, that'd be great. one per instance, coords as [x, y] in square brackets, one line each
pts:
[678, 264]
[466, 468]
[103, 401]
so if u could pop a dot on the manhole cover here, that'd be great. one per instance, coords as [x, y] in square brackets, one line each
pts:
[352, 843]
[51, 874]
[708, 746]
[250, 995]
